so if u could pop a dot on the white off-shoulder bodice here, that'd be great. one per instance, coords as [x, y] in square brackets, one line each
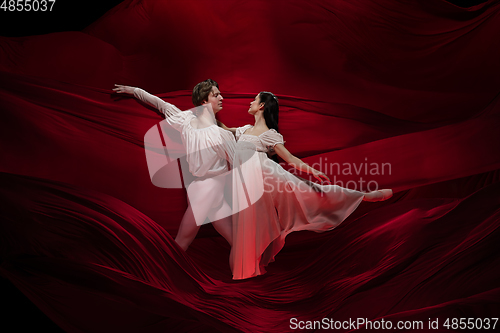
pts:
[262, 143]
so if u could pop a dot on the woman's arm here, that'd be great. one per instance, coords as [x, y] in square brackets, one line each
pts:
[166, 108]
[298, 164]
[230, 129]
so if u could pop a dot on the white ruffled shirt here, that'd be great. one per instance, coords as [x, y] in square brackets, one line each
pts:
[208, 149]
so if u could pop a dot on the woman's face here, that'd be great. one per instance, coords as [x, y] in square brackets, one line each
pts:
[255, 105]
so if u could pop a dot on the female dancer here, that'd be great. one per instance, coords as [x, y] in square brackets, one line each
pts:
[285, 202]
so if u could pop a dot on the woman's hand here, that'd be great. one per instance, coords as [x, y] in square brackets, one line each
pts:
[321, 176]
[121, 89]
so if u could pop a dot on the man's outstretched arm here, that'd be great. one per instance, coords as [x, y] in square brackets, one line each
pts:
[167, 109]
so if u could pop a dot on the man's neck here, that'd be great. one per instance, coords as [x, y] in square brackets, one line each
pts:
[206, 116]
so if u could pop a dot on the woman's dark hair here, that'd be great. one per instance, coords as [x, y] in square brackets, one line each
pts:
[271, 109]
[202, 90]
[271, 113]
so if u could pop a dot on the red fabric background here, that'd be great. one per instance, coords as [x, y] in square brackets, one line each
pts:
[415, 84]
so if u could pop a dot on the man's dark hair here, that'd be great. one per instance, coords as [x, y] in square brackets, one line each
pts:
[202, 90]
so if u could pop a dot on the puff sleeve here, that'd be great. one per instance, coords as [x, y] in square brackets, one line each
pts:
[271, 138]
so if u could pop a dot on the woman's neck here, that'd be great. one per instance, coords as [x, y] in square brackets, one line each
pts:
[260, 121]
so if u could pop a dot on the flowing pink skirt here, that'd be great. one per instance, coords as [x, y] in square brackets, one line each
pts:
[270, 202]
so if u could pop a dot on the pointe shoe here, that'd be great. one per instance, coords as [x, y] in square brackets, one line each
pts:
[385, 194]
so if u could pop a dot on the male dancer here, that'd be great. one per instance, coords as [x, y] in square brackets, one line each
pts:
[205, 193]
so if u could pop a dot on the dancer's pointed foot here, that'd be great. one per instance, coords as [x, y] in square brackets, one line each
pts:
[379, 195]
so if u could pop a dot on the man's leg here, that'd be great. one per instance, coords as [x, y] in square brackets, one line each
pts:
[224, 225]
[203, 195]
[206, 198]
[187, 230]
[197, 191]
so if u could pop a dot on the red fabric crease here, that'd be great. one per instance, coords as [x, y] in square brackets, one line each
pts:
[88, 238]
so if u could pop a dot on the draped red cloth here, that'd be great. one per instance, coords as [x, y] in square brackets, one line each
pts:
[87, 237]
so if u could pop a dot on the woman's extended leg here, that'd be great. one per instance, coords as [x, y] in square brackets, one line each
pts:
[379, 195]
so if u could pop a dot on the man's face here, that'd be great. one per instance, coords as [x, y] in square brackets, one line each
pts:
[215, 99]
